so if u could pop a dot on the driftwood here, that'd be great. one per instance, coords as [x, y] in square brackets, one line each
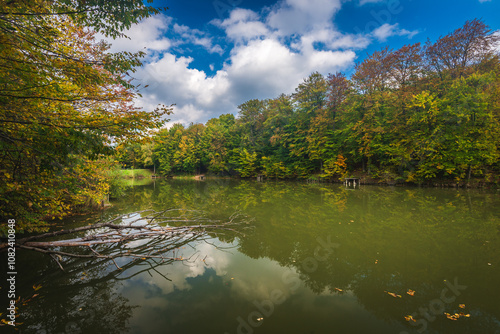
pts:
[143, 235]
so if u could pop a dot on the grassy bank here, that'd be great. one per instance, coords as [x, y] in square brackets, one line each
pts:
[136, 173]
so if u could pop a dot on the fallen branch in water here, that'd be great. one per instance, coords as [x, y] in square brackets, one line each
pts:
[132, 236]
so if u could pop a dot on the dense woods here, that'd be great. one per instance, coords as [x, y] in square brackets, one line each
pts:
[416, 114]
[64, 102]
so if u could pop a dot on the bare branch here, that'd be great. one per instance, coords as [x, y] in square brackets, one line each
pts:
[139, 236]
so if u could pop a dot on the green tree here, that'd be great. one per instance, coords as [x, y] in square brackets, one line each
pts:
[245, 162]
[167, 143]
[64, 100]
[415, 114]
[310, 100]
[219, 140]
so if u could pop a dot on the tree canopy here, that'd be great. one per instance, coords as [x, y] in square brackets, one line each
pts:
[415, 114]
[65, 100]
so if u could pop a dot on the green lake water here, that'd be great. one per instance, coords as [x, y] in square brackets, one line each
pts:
[316, 258]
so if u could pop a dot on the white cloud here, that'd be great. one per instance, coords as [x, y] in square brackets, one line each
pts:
[388, 30]
[170, 78]
[261, 64]
[332, 40]
[266, 68]
[497, 47]
[149, 34]
[270, 53]
[259, 69]
[196, 37]
[242, 25]
[299, 16]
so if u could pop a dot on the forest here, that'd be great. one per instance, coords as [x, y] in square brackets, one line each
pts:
[65, 102]
[413, 115]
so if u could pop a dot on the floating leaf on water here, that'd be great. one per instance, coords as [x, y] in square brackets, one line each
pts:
[37, 287]
[260, 319]
[410, 318]
[461, 305]
[456, 316]
[411, 292]
[393, 294]
[339, 290]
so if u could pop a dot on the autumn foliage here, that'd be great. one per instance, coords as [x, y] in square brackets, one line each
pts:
[417, 114]
[64, 102]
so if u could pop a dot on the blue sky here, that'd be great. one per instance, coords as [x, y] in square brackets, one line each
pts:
[209, 56]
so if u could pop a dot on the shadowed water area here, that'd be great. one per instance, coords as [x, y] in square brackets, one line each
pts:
[318, 258]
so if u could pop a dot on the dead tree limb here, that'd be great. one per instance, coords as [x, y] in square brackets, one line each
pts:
[143, 235]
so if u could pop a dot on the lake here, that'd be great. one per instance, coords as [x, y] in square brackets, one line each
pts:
[314, 258]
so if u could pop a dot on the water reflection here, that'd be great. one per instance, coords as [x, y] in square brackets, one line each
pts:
[275, 278]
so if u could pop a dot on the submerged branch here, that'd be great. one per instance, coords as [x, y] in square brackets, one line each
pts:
[131, 236]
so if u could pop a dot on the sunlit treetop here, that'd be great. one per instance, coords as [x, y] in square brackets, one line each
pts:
[108, 17]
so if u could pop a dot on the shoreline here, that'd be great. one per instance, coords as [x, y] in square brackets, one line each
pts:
[363, 180]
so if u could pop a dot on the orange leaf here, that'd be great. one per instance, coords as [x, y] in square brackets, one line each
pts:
[393, 294]
[410, 318]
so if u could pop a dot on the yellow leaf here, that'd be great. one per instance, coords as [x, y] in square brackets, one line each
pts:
[393, 294]
[410, 318]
